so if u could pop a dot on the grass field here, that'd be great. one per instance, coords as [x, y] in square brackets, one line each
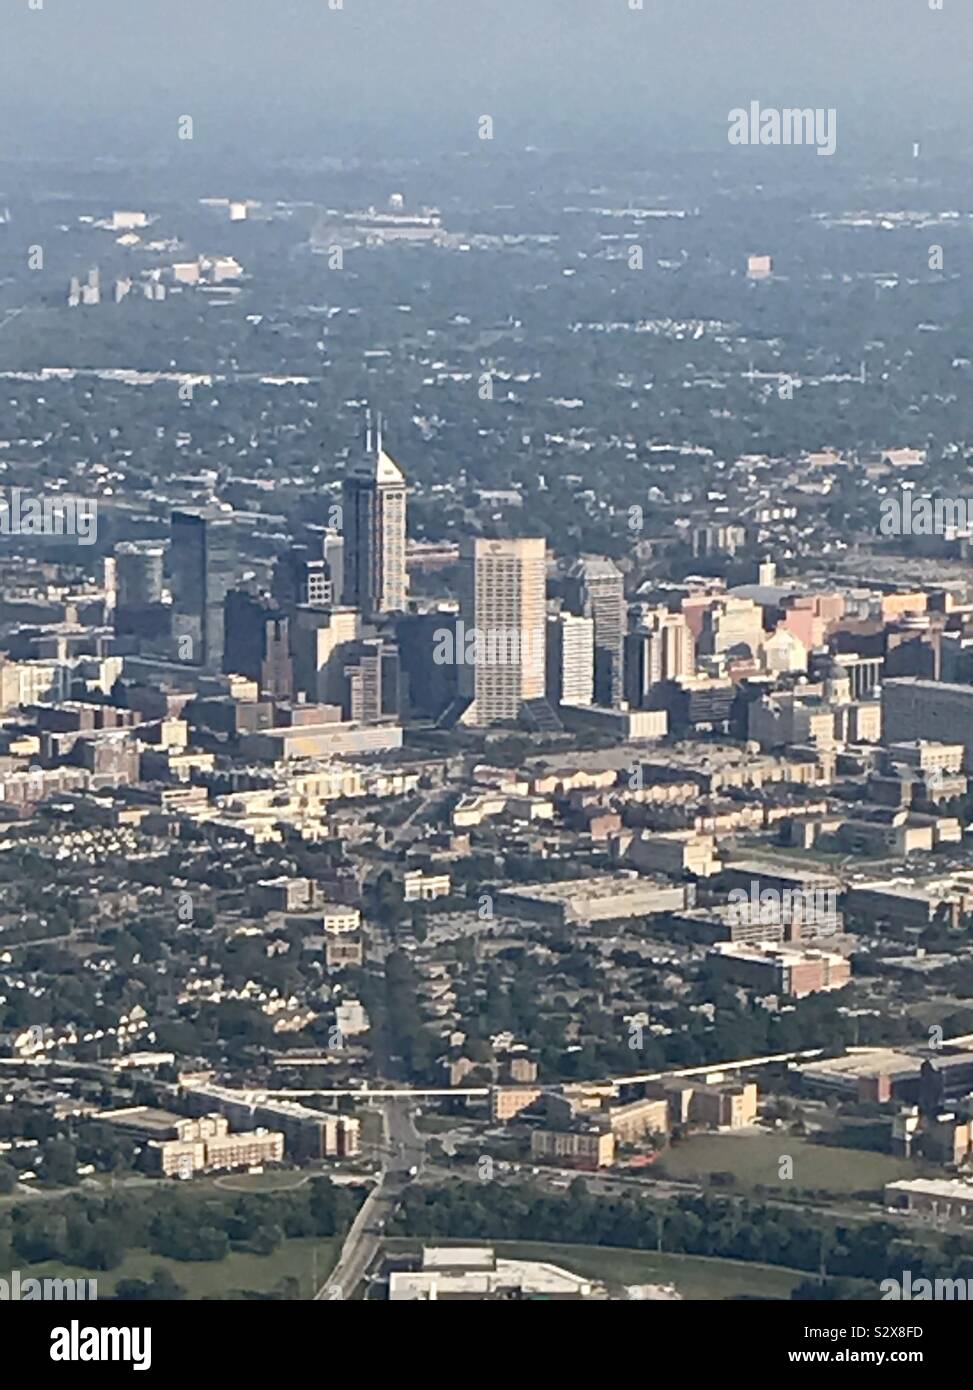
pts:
[694, 1276]
[755, 1159]
[261, 1182]
[211, 1279]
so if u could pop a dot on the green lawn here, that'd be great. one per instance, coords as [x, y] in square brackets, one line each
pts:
[281, 1181]
[694, 1276]
[211, 1279]
[439, 1124]
[755, 1159]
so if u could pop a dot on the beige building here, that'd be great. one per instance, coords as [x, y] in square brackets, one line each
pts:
[523, 1069]
[774, 969]
[339, 918]
[508, 1101]
[570, 659]
[730, 624]
[719, 1104]
[340, 952]
[674, 852]
[317, 637]
[419, 886]
[632, 1123]
[585, 1146]
[503, 605]
[307, 1133]
[206, 1146]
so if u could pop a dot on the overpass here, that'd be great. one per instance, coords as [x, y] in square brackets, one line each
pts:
[414, 1093]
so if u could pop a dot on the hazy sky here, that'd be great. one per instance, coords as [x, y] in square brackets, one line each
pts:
[110, 76]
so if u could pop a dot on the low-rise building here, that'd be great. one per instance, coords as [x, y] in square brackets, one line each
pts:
[944, 1199]
[582, 1146]
[772, 969]
[634, 1122]
[716, 1103]
[674, 852]
[420, 886]
[598, 899]
[477, 1273]
[508, 1101]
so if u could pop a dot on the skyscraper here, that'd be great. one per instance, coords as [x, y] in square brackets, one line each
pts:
[300, 577]
[371, 671]
[258, 643]
[570, 659]
[138, 573]
[502, 608]
[318, 637]
[374, 506]
[139, 610]
[203, 560]
[661, 650]
[598, 590]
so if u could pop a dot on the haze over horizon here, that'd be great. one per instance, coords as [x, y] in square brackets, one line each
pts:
[298, 78]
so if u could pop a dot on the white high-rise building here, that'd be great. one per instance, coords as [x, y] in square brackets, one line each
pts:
[503, 608]
[570, 659]
[374, 505]
[598, 591]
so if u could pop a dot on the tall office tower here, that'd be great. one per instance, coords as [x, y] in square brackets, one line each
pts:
[374, 503]
[203, 561]
[319, 637]
[139, 611]
[372, 674]
[502, 605]
[258, 644]
[570, 659]
[333, 549]
[300, 576]
[138, 573]
[597, 589]
[662, 649]
[429, 687]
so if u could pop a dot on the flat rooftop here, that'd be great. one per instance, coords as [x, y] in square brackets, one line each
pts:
[874, 1061]
[933, 1187]
[599, 886]
[143, 1117]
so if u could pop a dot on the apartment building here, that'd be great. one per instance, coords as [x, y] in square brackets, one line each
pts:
[582, 1146]
[632, 1123]
[720, 1104]
[308, 1134]
[509, 1101]
[772, 969]
[420, 886]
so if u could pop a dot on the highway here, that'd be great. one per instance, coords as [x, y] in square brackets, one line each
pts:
[404, 1151]
[417, 1092]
